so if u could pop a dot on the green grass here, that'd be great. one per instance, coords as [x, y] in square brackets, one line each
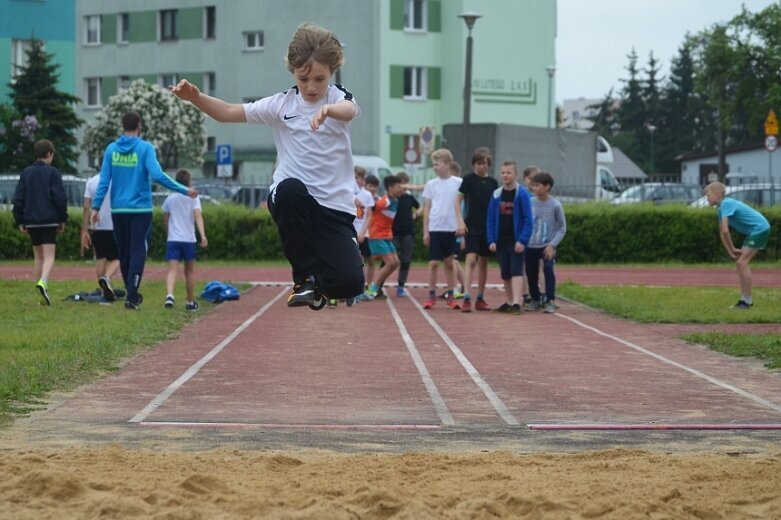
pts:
[43, 349]
[765, 347]
[677, 304]
[692, 305]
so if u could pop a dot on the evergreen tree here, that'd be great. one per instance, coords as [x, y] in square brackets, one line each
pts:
[34, 94]
[652, 125]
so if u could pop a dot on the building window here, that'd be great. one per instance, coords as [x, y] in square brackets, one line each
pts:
[167, 80]
[415, 15]
[19, 50]
[123, 28]
[210, 22]
[92, 24]
[168, 25]
[210, 83]
[253, 40]
[93, 92]
[124, 82]
[211, 143]
[414, 83]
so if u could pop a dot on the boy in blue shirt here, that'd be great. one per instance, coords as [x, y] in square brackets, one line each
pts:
[747, 221]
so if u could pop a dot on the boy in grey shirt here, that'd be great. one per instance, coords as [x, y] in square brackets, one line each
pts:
[550, 227]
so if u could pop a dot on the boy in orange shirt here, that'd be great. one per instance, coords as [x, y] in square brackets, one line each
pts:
[381, 233]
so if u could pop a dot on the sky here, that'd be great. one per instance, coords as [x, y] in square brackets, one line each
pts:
[595, 37]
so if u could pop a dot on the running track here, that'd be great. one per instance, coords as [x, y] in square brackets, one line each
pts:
[390, 367]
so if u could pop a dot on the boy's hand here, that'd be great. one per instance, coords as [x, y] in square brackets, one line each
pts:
[426, 238]
[192, 192]
[492, 247]
[204, 242]
[462, 230]
[185, 90]
[319, 117]
[519, 248]
[61, 228]
[86, 243]
[94, 216]
[549, 252]
[23, 229]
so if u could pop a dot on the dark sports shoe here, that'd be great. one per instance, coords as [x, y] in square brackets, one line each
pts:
[742, 305]
[169, 301]
[192, 306]
[303, 294]
[106, 289]
[505, 308]
[515, 308]
[380, 295]
[532, 305]
[132, 306]
[549, 307]
[43, 289]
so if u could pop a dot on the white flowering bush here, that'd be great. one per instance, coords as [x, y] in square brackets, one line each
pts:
[173, 127]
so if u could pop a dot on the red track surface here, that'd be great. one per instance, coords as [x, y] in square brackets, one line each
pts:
[355, 367]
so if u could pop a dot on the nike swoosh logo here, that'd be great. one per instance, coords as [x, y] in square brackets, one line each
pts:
[286, 117]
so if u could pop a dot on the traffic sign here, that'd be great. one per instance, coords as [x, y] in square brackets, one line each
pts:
[224, 154]
[771, 123]
[771, 143]
[427, 136]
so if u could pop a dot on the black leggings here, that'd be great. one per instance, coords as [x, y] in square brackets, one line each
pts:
[317, 241]
[533, 257]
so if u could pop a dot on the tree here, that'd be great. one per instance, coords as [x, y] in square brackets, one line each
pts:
[173, 127]
[35, 97]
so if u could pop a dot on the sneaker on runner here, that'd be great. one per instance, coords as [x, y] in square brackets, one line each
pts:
[481, 305]
[429, 303]
[549, 307]
[515, 308]
[401, 292]
[453, 304]
[743, 305]
[303, 294]
[505, 307]
[43, 290]
[532, 305]
[192, 306]
[169, 301]
[106, 289]
[466, 306]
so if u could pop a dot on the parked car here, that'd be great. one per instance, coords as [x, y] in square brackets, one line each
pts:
[760, 195]
[658, 193]
[221, 192]
[74, 188]
[251, 196]
[158, 197]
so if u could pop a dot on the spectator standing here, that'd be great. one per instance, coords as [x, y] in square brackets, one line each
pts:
[40, 209]
[100, 237]
[404, 231]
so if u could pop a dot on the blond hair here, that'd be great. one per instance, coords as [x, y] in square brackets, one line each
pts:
[312, 43]
[443, 154]
[717, 188]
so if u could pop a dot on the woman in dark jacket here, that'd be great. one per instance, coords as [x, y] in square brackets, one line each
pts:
[41, 210]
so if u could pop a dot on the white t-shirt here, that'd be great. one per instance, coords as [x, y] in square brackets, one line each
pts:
[321, 159]
[367, 200]
[442, 193]
[105, 222]
[181, 223]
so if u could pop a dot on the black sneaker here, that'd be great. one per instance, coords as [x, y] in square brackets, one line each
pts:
[192, 306]
[515, 308]
[106, 289]
[505, 308]
[380, 295]
[132, 306]
[742, 305]
[169, 301]
[303, 294]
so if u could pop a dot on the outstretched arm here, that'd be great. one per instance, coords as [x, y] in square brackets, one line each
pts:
[215, 108]
[343, 111]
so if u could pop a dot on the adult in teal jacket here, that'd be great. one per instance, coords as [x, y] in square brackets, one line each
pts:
[130, 166]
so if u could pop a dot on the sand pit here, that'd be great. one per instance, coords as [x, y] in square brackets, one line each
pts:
[114, 482]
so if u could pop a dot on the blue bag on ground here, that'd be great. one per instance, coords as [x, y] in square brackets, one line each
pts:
[217, 292]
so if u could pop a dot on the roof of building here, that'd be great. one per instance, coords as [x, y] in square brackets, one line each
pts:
[624, 168]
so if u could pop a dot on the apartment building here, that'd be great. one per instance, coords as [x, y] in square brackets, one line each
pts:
[405, 63]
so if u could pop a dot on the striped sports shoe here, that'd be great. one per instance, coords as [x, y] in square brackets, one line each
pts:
[43, 290]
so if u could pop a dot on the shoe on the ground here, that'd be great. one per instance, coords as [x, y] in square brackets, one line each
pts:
[505, 308]
[532, 305]
[742, 305]
[132, 306]
[445, 295]
[401, 292]
[332, 304]
[192, 306]
[481, 305]
[379, 294]
[466, 306]
[43, 290]
[363, 297]
[303, 294]
[453, 304]
[106, 289]
[549, 307]
[458, 295]
[349, 301]
[515, 308]
[429, 303]
[169, 301]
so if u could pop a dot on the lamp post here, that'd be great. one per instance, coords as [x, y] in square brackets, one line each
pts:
[551, 70]
[469, 19]
[651, 130]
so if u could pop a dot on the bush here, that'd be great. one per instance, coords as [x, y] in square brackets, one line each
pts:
[596, 233]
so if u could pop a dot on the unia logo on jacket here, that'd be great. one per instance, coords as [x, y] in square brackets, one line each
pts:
[124, 159]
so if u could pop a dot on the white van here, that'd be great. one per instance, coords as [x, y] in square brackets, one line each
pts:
[374, 165]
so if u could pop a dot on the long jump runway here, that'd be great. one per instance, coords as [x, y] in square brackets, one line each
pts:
[389, 371]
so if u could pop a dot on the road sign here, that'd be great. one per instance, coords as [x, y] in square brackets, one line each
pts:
[771, 124]
[427, 137]
[224, 161]
[771, 143]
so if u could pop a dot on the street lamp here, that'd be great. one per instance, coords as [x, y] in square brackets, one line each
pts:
[551, 71]
[651, 130]
[469, 19]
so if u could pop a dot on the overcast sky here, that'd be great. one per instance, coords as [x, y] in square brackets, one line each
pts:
[595, 36]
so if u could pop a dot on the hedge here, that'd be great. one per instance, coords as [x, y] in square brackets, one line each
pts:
[596, 233]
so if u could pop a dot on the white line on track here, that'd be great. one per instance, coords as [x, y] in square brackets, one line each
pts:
[693, 371]
[173, 387]
[489, 393]
[431, 387]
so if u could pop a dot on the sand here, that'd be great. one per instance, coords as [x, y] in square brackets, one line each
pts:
[113, 482]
